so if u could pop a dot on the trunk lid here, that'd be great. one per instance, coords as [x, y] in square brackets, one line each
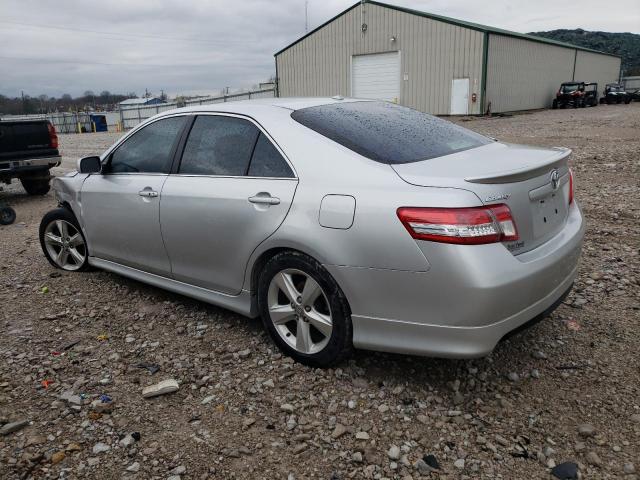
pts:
[532, 181]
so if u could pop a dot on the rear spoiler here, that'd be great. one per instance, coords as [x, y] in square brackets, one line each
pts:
[524, 173]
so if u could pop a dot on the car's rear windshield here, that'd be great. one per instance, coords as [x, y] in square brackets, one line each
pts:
[386, 132]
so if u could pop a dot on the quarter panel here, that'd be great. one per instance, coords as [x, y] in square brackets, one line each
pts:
[377, 238]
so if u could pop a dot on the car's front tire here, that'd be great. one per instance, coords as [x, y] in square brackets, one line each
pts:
[304, 310]
[62, 241]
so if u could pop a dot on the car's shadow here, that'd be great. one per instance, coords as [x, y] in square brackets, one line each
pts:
[379, 368]
[14, 196]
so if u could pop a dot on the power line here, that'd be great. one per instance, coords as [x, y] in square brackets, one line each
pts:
[226, 41]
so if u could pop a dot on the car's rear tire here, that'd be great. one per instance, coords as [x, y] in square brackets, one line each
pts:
[62, 241]
[36, 183]
[304, 310]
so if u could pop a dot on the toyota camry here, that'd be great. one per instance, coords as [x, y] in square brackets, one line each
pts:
[342, 223]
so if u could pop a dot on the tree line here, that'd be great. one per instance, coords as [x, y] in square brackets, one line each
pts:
[89, 101]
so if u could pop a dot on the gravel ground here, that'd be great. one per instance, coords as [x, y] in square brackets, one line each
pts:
[568, 389]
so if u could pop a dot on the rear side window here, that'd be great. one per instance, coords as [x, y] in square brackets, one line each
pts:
[388, 133]
[219, 145]
[149, 149]
[267, 161]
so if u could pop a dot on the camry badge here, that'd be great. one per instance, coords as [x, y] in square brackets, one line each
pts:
[496, 197]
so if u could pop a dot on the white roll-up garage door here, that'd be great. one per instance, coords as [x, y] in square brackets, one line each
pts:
[376, 76]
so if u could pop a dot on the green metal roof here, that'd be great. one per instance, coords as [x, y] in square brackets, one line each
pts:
[452, 21]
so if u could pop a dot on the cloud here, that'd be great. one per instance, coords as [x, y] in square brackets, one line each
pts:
[70, 46]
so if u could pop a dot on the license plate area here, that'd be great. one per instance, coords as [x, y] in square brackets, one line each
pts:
[549, 213]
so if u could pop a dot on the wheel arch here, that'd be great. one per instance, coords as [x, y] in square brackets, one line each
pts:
[251, 280]
[67, 206]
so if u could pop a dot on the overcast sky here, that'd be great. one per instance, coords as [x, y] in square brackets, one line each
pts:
[201, 46]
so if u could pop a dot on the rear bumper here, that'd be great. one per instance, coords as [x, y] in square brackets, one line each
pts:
[471, 297]
[15, 166]
[450, 342]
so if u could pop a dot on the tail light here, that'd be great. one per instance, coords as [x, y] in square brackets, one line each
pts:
[570, 186]
[465, 226]
[53, 137]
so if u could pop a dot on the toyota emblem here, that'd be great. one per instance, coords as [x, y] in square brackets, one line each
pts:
[555, 179]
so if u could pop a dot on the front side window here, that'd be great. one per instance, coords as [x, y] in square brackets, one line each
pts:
[149, 149]
[386, 132]
[219, 145]
[267, 161]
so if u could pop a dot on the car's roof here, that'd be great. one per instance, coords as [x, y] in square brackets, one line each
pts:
[246, 106]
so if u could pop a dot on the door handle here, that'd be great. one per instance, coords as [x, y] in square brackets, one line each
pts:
[148, 193]
[264, 199]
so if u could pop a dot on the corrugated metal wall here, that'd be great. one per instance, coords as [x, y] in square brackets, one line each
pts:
[592, 67]
[523, 75]
[433, 53]
[631, 83]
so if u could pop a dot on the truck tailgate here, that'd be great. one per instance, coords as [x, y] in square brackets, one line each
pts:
[25, 139]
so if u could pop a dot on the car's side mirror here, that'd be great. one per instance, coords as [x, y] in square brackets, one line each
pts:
[89, 165]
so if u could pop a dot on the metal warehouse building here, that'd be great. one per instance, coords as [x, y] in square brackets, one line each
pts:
[433, 63]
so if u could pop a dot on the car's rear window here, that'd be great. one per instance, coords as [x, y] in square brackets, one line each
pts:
[386, 132]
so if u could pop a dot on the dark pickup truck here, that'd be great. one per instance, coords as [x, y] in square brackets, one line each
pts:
[28, 149]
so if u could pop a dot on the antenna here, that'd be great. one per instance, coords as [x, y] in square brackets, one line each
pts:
[306, 16]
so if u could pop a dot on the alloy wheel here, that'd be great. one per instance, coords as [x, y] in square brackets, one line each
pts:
[65, 245]
[300, 311]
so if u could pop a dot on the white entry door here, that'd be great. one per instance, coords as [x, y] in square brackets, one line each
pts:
[460, 96]
[376, 76]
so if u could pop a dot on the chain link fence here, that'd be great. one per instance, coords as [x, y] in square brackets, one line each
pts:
[80, 122]
[64, 122]
[132, 116]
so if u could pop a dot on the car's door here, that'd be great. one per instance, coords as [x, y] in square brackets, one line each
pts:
[232, 189]
[121, 205]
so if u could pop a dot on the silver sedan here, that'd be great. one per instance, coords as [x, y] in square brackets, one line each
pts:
[342, 223]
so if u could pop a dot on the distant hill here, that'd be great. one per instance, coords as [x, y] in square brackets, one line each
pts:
[627, 45]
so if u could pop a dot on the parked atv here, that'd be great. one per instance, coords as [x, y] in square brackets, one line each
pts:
[635, 95]
[615, 93]
[576, 94]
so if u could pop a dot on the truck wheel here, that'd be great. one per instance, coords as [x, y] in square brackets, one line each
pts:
[7, 216]
[36, 185]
